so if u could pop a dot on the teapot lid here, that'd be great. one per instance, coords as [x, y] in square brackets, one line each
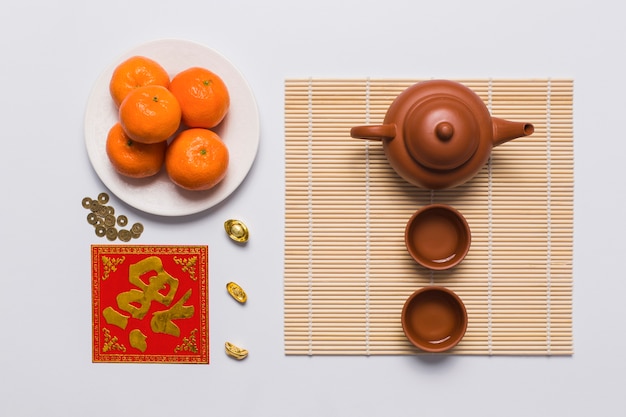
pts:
[441, 132]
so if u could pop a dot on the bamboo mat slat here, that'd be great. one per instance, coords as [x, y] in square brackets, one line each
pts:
[347, 272]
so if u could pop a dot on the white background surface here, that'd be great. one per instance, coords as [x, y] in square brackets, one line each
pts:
[53, 51]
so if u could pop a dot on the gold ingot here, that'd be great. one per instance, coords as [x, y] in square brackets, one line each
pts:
[236, 230]
[236, 292]
[235, 351]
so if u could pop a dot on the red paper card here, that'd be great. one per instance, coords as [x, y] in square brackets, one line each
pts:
[150, 303]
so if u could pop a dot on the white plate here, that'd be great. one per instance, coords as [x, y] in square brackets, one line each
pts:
[239, 130]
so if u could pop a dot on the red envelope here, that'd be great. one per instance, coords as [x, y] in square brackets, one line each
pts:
[150, 303]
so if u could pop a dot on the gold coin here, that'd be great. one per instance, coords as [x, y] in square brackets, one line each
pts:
[101, 231]
[236, 230]
[122, 220]
[103, 198]
[94, 206]
[102, 211]
[111, 210]
[111, 233]
[235, 351]
[137, 228]
[109, 220]
[236, 292]
[87, 202]
[92, 218]
[124, 235]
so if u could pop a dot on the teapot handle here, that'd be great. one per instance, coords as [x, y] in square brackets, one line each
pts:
[374, 132]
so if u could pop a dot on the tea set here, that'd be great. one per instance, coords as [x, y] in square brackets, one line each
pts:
[438, 134]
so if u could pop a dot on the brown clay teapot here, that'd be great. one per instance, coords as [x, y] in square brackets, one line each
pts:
[438, 134]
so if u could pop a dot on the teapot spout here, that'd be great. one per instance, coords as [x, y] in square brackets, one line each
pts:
[506, 130]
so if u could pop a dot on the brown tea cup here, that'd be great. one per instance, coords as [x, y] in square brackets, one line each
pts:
[434, 319]
[437, 236]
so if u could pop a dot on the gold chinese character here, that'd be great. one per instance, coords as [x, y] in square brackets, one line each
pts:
[150, 292]
[162, 320]
[137, 302]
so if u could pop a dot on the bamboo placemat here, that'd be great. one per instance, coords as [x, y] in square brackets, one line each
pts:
[347, 271]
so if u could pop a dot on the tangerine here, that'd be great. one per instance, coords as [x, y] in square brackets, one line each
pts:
[197, 159]
[134, 159]
[136, 71]
[150, 114]
[203, 96]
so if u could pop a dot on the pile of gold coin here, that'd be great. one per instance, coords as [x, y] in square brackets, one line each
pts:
[106, 224]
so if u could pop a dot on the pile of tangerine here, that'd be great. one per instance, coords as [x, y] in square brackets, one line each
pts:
[165, 122]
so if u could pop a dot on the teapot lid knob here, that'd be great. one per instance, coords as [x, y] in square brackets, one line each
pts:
[444, 131]
[441, 132]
